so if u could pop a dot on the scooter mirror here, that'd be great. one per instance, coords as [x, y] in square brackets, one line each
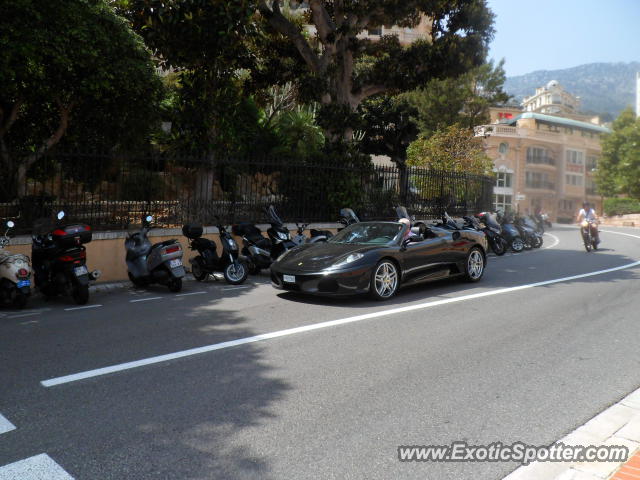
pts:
[10, 224]
[61, 214]
[148, 219]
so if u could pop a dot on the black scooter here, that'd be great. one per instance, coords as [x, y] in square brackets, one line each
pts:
[208, 261]
[511, 233]
[259, 251]
[59, 260]
[528, 230]
[492, 230]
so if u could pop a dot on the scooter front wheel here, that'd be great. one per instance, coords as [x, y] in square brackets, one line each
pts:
[198, 270]
[236, 273]
[136, 281]
[175, 285]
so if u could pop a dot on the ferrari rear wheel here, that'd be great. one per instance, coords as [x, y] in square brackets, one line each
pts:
[385, 280]
[474, 267]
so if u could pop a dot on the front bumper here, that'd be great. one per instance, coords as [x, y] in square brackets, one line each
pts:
[331, 283]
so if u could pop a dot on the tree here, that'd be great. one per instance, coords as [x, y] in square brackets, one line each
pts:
[72, 69]
[463, 100]
[389, 129]
[619, 168]
[453, 149]
[350, 69]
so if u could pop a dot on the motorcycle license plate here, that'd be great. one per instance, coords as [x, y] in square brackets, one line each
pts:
[175, 263]
[289, 278]
[24, 283]
[81, 270]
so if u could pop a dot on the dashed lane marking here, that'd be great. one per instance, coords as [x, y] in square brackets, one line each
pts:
[145, 299]
[71, 309]
[5, 425]
[190, 293]
[38, 467]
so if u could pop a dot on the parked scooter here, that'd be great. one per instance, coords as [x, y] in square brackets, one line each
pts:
[208, 261]
[259, 251]
[15, 285]
[59, 261]
[158, 263]
[316, 235]
[529, 233]
[347, 217]
[486, 222]
[511, 233]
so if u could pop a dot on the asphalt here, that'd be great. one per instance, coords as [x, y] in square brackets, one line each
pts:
[525, 365]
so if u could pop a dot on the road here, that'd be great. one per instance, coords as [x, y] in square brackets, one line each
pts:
[480, 363]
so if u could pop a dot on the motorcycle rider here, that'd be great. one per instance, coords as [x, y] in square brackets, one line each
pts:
[588, 214]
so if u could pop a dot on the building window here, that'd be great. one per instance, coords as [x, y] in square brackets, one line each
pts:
[567, 206]
[504, 179]
[575, 157]
[575, 180]
[592, 162]
[538, 180]
[539, 155]
[503, 203]
[503, 148]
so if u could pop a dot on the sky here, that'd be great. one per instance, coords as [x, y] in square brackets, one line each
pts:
[553, 34]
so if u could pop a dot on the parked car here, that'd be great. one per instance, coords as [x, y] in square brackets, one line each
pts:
[380, 257]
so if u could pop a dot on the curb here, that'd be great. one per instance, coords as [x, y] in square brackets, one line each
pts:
[617, 425]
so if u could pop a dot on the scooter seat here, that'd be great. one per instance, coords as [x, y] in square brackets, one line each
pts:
[203, 244]
[262, 242]
[162, 244]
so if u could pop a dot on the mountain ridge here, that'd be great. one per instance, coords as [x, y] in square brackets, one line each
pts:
[604, 88]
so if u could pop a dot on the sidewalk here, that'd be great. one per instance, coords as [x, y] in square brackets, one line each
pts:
[617, 425]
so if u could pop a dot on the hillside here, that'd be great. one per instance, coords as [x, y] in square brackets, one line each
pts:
[602, 87]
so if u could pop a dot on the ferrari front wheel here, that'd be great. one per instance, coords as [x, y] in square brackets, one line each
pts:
[385, 280]
[474, 266]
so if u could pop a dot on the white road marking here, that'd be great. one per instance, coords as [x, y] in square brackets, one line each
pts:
[82, 308]
[39, 467]
[190, 293]
[235, 288]
[316, 326]
[24, 315]
[145, 299]
[29, 322]
[555, 243]
[5, 425]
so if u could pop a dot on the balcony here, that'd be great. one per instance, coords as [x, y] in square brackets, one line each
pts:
[541, 161]
[540, 185]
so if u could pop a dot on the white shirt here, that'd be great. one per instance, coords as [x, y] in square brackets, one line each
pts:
[590, 215]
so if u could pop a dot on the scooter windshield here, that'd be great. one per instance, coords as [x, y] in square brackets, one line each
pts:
[349, 215]
[402, 213]
[273, 216]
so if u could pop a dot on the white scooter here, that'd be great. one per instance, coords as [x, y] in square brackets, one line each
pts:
[15, 273]
[158, 263]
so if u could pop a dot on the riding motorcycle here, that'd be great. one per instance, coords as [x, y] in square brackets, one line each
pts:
[208, 261]
[15, 285]
[487, 223]
[587, 228]
[316, 235]
[259, 251]
[511, 233]
[59, 260]
[158, 263]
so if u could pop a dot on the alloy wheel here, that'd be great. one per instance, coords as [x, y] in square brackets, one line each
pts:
[386, 279]
[475, 265]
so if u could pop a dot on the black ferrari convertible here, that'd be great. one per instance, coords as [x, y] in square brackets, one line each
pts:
[380, 257]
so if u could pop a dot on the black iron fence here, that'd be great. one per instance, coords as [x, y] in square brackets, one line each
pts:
[111, 192]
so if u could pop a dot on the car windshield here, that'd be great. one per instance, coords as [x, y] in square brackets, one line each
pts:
[369, 233]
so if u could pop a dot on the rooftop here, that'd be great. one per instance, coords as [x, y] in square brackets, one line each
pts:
[565, 122]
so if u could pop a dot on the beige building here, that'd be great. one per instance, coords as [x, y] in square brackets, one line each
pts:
[545, 154]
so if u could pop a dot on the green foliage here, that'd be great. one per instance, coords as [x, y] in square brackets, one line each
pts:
[464, 100]
[345, 69]
[76, 55]
[621, 206]
[453, 149]
[619, 167]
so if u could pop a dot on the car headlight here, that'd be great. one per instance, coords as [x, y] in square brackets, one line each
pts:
[350, 259]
